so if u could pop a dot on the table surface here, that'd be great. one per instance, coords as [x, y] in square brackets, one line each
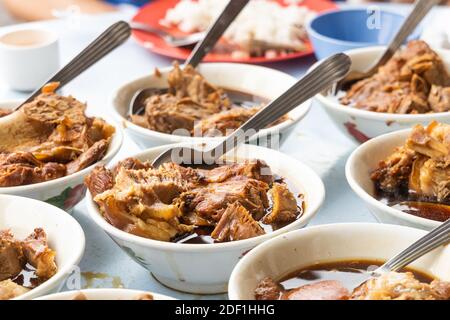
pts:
[315, 141]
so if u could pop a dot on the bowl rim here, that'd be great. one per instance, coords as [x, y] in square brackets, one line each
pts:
[101, 291]
[152, 134]
[234, 285]
[76, 253]
[312, 31]
[311, 211]
[369, 199]
[373, 115]
[114, 147]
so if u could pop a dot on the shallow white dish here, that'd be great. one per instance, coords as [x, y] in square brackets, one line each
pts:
[67, 191]
[359, 166]
[295, 250]
[361, 125]
[205, 268]
[259, 81]
[65, 235]
[104, 294]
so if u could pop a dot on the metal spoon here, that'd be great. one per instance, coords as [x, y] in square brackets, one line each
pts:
[113, 37]
[174, 41]
[323, 76]
[432, 240]
[421, 8]
[214, 33]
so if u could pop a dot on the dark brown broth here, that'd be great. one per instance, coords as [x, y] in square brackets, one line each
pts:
[349, 273]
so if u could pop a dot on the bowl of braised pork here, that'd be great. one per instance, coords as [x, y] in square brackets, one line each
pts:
[40, 247]
[189, 226]
[197, 105]
[404, 177]
[413, 87]
[330, 262]
[49, 145]
[105, 294]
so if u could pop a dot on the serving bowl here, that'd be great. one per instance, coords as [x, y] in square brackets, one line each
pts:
[65, 236]
[290, 252]
[331, 32]
[103, 294]
[205, 268]
[359, 166]
[67, 191]
[362, 125]
[256, 80]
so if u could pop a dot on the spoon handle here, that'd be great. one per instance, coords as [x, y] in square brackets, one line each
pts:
[322, 77]
[113, 37]
[420, 10]
[233, 8]
[437, 237]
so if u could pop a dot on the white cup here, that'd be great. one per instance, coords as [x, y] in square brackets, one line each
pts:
[28, 58]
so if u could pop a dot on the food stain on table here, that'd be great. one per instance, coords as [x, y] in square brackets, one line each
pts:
[91, 278]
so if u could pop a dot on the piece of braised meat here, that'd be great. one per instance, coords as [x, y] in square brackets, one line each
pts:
[235, 224]
[268, 289]
[39, 255]
[321, 290]
[100, 180]
[284, 205]
[12, 259]
[413, 81]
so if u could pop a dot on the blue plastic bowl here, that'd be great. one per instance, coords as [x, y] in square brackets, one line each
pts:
[340, 30]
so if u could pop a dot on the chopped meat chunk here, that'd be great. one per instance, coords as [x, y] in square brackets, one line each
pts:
[48, 138]
[99, 180]
[39, 255]
[284, 207]
[236, 223]
[321, 290]
[420, 168]
[413, 81]
[401, 286]
[11, 290]
[11, 256]
[144, 296]
[268, 289]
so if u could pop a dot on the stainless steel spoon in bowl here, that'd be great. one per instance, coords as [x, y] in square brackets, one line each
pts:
[109, 40]
[234, 7]
[320, 78]
[420, 10]
[432, 240]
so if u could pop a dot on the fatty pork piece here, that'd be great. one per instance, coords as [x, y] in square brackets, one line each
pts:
[11, 290]
[284, 205]
[414, 81]
[223, 123]
[236, 223]
[401, 286]
[268, 289]
[188, 83]
[321, 290]
[211, 201]
[22, 168]
[12, 259]
[39, 255]
[430, 176]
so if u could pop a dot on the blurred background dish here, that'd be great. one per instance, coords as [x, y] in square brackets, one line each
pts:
[331, 33]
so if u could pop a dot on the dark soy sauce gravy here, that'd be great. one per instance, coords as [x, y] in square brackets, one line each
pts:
[428, 210]
[349, 273]
[202, 235]
[27, 277]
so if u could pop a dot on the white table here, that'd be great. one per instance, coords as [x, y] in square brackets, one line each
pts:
[316, 142]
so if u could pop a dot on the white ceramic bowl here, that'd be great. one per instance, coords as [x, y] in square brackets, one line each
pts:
[359, 166]
[67, 191]
[361, 125]
[104, 294]
[299, 249]
[205, 268]
[65, 235]
[256, 80]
